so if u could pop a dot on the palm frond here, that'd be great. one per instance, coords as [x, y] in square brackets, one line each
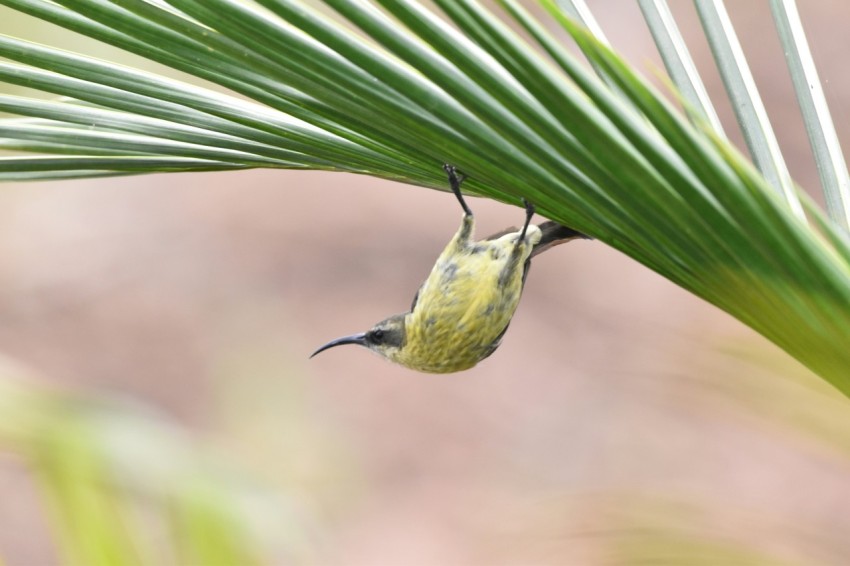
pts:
[393, 89]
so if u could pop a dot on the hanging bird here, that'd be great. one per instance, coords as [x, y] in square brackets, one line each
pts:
[464, 307]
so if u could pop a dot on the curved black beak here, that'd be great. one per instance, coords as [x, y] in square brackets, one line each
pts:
[359, 339]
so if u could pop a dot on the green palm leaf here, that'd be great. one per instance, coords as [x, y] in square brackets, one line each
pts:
[393, 89]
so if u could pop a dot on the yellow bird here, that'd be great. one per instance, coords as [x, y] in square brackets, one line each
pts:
[463, 309]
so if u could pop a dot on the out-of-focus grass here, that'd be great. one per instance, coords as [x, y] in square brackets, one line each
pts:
[657, 530]
[123, 486]
[273, 480]
[780, 393]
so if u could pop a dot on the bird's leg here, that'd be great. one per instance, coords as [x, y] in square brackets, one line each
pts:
[455, 179]
[529, 212]
[463, 238]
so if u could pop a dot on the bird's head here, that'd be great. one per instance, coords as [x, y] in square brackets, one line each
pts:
[386, 338]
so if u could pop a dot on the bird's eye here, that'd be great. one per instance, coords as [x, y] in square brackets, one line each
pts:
[377, 336]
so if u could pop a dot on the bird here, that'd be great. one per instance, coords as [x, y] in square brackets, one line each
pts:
[463, 309]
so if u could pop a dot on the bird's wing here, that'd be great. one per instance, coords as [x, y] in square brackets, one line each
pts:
[525, 269]
[415, 298]
[494, 345]
[501, 233]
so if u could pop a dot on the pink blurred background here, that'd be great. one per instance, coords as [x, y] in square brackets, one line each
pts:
[620, 412]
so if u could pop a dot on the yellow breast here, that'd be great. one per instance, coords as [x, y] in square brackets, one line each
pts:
[466, 303]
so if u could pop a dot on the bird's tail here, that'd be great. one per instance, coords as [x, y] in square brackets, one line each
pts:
[553, 235]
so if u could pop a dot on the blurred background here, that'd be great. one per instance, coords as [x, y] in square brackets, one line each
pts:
[157, 330]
